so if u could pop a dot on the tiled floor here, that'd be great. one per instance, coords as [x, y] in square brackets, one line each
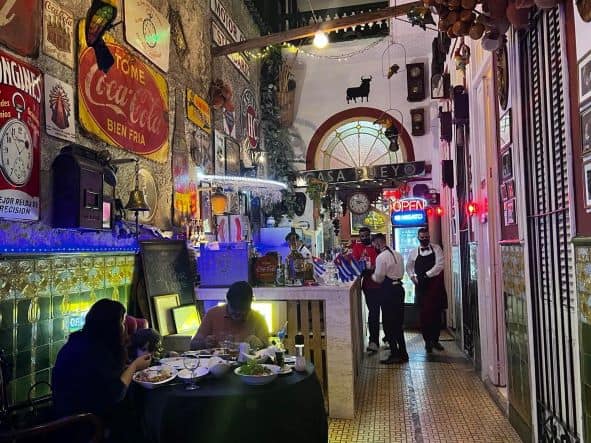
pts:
[430, 399]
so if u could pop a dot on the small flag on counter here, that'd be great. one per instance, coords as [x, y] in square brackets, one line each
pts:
[319, 266]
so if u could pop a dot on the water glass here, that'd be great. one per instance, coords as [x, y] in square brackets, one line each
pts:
[191, 364]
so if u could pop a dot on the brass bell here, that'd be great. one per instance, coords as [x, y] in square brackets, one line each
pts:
[137, 201]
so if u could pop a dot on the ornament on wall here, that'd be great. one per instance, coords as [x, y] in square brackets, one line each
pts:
[177, 33]
[462, 56]
[99, 19]
[415, 81]
[360, 91]
[391, 130]
[417, 121]
[59, 109]
[502, 73]
[20, 26]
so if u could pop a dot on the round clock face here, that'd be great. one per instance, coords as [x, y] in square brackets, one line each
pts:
[16, 152]
[359, 203]
[415, 72]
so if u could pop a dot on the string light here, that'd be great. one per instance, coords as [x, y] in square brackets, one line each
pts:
[320, 40]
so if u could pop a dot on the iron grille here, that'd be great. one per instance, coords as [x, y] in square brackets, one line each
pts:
[550, 255]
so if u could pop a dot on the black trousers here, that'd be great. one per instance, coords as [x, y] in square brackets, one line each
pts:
[373, 302]
[393, 317]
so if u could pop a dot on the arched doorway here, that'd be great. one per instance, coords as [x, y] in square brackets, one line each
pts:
[350, 139]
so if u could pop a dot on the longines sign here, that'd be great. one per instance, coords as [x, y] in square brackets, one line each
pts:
[378, 172]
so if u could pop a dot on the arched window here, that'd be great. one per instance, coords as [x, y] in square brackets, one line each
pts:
[350, 139]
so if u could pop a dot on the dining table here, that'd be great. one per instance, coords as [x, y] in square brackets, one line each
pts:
[289, 409]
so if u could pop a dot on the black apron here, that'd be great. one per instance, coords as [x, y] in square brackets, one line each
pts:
[422, 264]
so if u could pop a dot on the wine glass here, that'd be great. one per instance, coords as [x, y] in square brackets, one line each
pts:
[191, 364]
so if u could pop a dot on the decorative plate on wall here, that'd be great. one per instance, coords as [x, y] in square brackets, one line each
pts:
[502, 76]
[584, 7]
[148, 185]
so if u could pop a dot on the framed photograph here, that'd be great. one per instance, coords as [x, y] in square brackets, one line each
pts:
[163, 305]
[199, 143]
[206, 215]
[219, 153]
[587, 182]
[232, 157]
[503, 191]
[586, 129]
[438, 86]
[505, 129]
[510, 186]
[506, 164]
[509, 212]
[585, 79]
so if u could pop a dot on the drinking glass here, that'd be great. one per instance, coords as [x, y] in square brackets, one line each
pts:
[191, 364]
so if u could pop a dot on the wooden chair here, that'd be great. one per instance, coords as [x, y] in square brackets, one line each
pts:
[61, 430]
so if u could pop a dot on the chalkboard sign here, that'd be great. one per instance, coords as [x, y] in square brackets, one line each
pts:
[167, 269]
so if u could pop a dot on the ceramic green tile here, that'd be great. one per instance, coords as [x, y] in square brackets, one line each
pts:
[7, 313]
[21, 387]
[23, 364]
[43, 333]
[24, 337]
[41, 359]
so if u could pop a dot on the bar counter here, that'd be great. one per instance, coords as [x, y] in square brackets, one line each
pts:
[336, 328]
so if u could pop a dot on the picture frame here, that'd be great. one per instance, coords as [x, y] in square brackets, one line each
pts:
[586, 129]
[506, 164]
[219, 153]
[232, 157]
[503, 191]
[163, 305]
[510, 187]
[206, 213]
[585, 78]
[509, 212]
[587, 182]
[440, 86]
[356, 222]
[505, 128]
[199, 143]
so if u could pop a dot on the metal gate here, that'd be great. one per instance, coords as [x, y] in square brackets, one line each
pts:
[544, 102]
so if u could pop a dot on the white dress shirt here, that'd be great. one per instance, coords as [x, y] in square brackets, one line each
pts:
[389, 263]
[302, 249]
[433, 249]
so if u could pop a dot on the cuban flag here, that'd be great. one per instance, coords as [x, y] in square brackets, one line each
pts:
[348, 268]
[319, 266]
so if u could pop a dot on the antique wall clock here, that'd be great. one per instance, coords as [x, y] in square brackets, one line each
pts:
[417, 121]
[415, 79]
[502, 72]
[16, 147]
[359, 203]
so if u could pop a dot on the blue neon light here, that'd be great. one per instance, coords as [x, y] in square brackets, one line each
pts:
[409, 218]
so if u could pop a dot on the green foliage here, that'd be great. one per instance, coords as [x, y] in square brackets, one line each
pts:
[277, 147]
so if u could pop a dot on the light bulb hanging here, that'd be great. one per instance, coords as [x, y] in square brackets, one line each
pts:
[320, 40]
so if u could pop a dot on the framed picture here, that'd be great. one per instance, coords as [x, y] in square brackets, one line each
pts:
[585, 78]
[506, 164]
[220, 153]
[503, 191]
[232, 157]
[439, 86]
[163, 305]
[586, 129]
[199, 143]
[206, 215]
[505, 129]
[368, 219]
[509, 212]
[510, 185]
[587, 182]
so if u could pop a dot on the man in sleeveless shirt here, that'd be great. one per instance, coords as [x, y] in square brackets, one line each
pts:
[425, 268]
[388, 273]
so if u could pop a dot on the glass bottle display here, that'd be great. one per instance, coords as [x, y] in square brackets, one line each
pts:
[295, 268]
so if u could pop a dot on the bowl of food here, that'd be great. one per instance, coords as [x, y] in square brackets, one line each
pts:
[253, 373]
[155, 376]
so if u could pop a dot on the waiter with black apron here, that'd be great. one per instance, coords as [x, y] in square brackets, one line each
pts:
[425, 268]
[388, 272]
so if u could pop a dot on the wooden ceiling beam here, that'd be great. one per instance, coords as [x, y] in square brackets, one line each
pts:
[306, 31]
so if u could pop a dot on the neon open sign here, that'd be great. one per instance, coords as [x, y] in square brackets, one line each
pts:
[408, 204]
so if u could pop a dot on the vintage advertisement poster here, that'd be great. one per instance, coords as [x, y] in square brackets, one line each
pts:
[237, 59]
[59, 109]
[21, 92]
[148, 31]
[229, 122]
[20, 26]
[128, 106]
[200, 148]
[58, 33]
[185, 191]
[250, 121]
[198, 111]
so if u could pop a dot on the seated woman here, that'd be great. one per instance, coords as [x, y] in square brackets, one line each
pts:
[143, 342]
[90, 373]
[236, 319]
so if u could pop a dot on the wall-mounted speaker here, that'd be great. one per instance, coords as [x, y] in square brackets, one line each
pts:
[447, 173]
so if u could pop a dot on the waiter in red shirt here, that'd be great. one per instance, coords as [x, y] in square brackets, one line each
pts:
[363, 250]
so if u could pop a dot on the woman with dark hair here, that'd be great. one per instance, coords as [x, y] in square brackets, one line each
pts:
[90, 373]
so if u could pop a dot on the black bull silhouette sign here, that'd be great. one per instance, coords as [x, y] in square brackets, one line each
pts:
[360, 91]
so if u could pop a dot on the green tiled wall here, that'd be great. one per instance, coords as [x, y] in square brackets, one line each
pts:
[517, 339]
[42, 300]
[583, 270]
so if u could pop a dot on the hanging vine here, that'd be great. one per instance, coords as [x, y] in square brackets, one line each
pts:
[278, 149]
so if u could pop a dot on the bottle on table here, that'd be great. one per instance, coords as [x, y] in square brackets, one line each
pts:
[300, 362]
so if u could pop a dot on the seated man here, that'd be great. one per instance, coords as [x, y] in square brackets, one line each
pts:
[235, 319]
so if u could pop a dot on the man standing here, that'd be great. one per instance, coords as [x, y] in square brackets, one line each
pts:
[363, 250]
[389, 272]
[294, 242]
[425, 268]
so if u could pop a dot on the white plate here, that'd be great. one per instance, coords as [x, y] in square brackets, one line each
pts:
[285, 370]
[175, 362]
[153, 370]
[259, 379]
[290, 359]
[201, 371]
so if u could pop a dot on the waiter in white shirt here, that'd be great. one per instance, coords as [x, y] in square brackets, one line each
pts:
[425, 268]
[294, 242]
[388, 272]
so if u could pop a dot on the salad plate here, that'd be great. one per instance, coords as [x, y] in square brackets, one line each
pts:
[155, 376]
[257, 374]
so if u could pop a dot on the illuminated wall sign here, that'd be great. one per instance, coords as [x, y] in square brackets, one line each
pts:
[380, 172]
[409, 218]
[229, 24]
[237, 59]
[408, 204]
[128, 106]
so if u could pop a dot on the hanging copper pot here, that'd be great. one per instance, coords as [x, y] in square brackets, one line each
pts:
[476, 31]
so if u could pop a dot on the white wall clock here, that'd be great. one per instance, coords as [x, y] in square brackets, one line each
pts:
[16, 147]
[359, 203]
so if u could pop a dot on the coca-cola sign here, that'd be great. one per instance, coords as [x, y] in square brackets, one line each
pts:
[128, 106]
